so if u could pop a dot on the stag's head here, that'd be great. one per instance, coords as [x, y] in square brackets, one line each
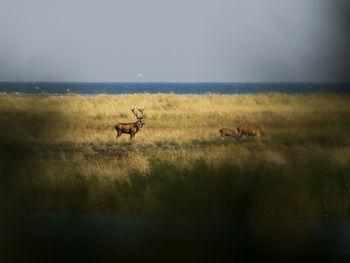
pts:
[141, 118]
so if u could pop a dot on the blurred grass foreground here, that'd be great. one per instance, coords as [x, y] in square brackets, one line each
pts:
[61, 154]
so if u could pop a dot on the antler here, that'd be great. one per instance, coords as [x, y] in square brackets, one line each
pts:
[140, 110]
[133, 111]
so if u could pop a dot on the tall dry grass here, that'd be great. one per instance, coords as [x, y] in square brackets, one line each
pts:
[60, 153]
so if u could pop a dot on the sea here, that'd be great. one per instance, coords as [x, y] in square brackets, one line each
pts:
[95, 88]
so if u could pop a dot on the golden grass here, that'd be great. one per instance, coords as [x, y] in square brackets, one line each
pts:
[173, 117]
[61, 153]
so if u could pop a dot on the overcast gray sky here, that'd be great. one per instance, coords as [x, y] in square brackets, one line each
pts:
[178, 40]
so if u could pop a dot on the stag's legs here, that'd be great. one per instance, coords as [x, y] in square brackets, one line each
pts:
[119, 134]
[132, 135]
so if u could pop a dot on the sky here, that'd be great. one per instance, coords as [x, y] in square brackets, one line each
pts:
[175, 41]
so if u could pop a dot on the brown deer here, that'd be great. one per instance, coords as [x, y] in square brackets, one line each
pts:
[228, 132]
[249, 130]
[133, 127]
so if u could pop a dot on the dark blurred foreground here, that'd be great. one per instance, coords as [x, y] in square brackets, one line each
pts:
[61, 237]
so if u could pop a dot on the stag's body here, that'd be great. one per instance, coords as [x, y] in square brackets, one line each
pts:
[228, 132]
[130, 128]
[249, 130]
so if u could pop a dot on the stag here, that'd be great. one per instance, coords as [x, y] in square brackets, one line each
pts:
[249, 130]
[133, 127]
[228, 132]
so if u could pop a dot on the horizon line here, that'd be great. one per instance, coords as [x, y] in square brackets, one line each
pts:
[172, 82]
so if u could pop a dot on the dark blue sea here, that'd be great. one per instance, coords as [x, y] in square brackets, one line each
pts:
[90, 88]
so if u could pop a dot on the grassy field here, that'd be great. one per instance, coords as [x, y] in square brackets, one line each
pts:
[61, 154]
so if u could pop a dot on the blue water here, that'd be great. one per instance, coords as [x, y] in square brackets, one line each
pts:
[177, 88]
